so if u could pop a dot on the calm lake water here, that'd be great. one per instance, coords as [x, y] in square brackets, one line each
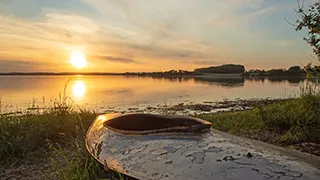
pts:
[102, 92]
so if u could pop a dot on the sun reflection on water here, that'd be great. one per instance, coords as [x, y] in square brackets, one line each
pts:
[79, 89]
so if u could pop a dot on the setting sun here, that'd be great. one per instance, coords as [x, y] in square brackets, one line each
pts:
[78, 60]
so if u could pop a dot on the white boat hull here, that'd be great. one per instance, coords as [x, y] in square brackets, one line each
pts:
[208, 155]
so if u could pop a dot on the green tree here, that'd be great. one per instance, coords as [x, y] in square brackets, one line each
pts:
[310, 19]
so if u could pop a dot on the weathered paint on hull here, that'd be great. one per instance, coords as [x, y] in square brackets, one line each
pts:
[209, 155]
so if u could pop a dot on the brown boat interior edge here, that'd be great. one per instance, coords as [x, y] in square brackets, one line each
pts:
[148, 124]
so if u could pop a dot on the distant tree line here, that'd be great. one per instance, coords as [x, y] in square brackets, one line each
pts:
[292, 71]
[224, 69]
[163, 74]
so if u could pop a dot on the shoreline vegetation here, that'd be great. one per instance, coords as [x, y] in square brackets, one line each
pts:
[48, 143]
[223, 71]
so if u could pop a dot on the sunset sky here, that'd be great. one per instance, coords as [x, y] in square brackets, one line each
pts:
[149, 35]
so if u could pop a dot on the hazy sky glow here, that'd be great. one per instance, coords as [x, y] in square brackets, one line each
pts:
[140, 35]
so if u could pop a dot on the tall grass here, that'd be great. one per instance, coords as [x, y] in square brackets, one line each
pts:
[21, 134]
[58, 130]
[293, 121]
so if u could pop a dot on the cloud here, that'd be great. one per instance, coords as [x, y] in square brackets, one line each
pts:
[208, 62]
[234, 15]
[117, 59]
[72, 23]
[168, 52]
[16, 65]
[182, 54]
[29, 33]
[158, 20]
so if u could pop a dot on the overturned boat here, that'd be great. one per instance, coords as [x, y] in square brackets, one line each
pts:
[146, 146]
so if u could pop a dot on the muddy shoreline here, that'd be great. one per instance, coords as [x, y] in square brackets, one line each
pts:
[206, 107]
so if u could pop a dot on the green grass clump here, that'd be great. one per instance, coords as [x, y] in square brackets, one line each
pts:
[293, 121]
[24, 134]
[57, 131]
